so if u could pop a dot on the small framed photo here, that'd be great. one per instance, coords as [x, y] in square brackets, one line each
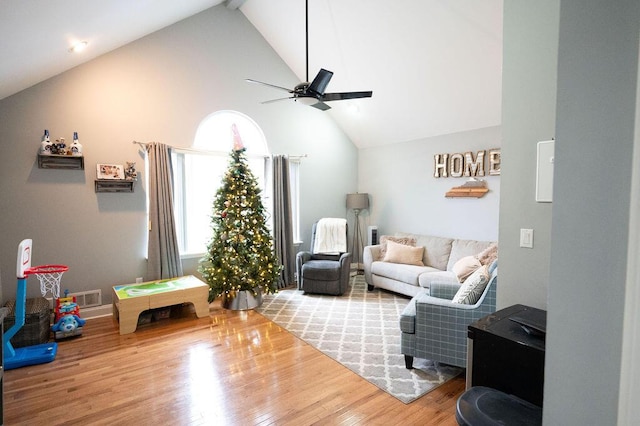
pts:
[110, 171]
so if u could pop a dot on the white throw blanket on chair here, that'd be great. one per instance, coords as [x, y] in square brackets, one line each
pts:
[331, 236]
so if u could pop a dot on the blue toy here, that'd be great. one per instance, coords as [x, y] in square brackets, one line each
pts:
[68, 325]
[36, 354]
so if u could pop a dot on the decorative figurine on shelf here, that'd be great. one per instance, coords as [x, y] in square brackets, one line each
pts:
[45, 145]
[76, 146]
[59, 147]
[130, 172]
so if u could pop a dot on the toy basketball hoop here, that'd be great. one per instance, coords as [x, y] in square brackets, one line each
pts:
[49, 277]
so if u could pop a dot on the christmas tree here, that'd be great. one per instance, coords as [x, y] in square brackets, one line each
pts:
[240, 255]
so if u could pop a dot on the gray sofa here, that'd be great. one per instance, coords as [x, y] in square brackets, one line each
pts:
[439, 256]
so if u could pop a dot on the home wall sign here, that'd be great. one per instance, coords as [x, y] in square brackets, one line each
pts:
[465, 165]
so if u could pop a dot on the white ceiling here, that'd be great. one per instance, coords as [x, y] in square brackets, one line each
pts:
[434, 65]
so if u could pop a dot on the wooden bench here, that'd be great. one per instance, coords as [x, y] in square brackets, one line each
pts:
[130, 300]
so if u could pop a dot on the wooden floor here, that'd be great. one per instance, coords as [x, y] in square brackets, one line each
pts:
[233, 368]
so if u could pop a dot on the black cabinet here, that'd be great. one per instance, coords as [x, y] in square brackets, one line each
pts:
[507, 352]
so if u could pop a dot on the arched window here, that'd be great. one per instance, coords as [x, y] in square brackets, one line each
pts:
[214, 133]
[198, 173]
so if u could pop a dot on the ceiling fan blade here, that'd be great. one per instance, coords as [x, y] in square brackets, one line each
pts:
[320, 82]
[277, 100]
[321, 106]
[345, 95]
[268, 84]
[312, 101]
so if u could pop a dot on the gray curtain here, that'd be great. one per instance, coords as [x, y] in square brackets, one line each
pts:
[164, 255]
[282, 222]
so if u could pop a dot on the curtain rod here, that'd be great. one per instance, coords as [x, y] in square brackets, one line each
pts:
[204, 151]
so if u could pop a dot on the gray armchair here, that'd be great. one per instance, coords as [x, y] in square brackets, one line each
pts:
[435, 328]
[322, 273]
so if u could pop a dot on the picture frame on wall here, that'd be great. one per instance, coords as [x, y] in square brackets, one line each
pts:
[110, 171]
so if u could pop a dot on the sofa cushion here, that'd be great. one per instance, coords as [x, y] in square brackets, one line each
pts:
[405, 273]
[462, 248]
[323, 270]
[465, 267]
[472, 288]
[400, 253]
[407, 241]
[436, 249]
[446, 277]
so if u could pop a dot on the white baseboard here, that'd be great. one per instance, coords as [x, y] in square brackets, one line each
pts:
[96, 311]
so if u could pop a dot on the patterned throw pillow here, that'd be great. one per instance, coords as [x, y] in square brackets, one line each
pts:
[472, 288]
[407, 241]
[400, 253]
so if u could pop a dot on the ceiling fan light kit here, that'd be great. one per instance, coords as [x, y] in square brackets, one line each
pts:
[313, 94]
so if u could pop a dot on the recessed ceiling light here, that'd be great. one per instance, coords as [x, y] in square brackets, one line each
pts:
[79, 47]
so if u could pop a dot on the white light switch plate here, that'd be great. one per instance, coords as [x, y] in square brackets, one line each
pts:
[526, 238]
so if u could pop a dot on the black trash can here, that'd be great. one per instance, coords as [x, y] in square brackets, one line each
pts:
[482, 406]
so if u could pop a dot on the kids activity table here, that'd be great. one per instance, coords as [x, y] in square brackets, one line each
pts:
[130, 300]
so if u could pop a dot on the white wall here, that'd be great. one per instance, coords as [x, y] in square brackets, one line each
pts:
[158, 88]
[406, 197]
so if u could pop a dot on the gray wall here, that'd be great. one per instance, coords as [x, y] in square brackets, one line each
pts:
[597, 76]
[582, 55]
[406, 197]
[158, 88]
[528, 115]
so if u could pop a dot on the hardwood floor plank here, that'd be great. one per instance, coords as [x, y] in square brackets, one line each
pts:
[229, 369]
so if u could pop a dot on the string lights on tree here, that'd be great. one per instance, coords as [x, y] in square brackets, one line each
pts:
[240, 255]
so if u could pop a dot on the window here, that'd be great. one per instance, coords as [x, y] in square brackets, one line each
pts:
[198, 173]
[294, 177]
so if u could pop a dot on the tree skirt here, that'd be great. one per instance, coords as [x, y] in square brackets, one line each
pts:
[361, 331]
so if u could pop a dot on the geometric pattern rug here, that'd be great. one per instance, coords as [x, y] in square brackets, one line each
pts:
[361, 331]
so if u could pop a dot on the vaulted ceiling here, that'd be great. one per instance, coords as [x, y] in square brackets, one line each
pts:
[434, 65]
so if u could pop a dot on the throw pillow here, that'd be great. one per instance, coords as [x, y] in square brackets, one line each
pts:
[465, 267]
[400, 253]
[472, 288]
[488, 255]
[407, 241]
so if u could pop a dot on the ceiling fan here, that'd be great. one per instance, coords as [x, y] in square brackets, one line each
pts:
[313, 93]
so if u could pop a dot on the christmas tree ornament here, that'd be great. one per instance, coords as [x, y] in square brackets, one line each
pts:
[237, 140]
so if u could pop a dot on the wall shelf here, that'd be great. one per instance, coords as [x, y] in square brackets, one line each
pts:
[114, 185]
[54, 161]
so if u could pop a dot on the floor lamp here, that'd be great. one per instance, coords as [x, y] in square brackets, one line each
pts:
[357, 202]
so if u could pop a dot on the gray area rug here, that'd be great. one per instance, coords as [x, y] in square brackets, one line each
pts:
[361, 331]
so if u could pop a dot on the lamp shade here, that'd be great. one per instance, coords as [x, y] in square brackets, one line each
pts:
[358, 201]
